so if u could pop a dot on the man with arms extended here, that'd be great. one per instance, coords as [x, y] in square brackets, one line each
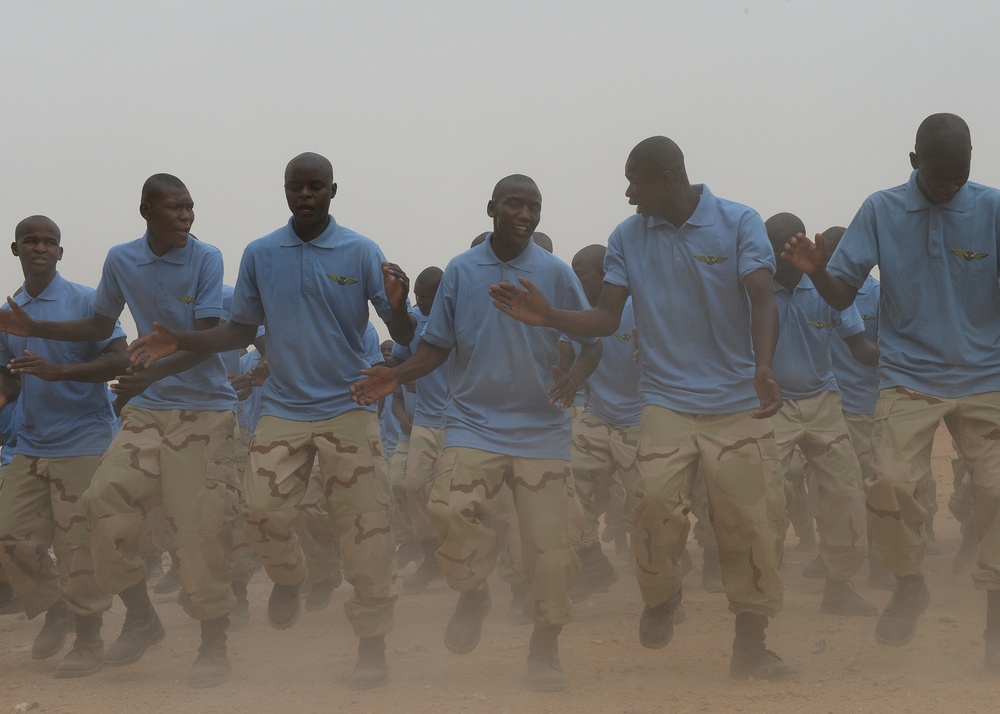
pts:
[311, 281]
[67, 425]
[502, 427]
[936, 240]
[699, 272]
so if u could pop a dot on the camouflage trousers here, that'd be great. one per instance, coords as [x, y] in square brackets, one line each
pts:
[902, 438]
[358, 499]
[463, 502]
[40, 504]
[816, 426]
[600, 451]
[402, 528]
[426, 445]
[241, 560]
[182, 460]
[316, 533]
[736, 457]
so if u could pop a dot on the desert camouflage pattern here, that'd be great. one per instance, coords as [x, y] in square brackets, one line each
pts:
[463, 502]
[736, 457]
[902, 437]
[241, 560]
[816, 426]
[600, 452]
[182, 460]
[402, 528]
[355, 485]
[41, 505]
[315, 532]
[426, 445]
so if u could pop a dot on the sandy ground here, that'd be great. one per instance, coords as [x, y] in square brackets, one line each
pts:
[304, 669]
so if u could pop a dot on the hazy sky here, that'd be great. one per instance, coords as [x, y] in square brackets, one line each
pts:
[794, 106]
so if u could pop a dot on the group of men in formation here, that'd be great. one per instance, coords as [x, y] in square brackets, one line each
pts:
[688, 360]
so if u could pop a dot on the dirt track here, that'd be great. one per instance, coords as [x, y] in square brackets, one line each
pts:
[304, 669]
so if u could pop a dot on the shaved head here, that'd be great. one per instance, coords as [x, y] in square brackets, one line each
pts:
[33, 223]
[831, 239]
[943, 133]
[590, 257]
[781, 227]
[159, 185]
[542, 240]
[508, 184]
[479, 239]
[312, 161]
[658, 154]
[429, 276]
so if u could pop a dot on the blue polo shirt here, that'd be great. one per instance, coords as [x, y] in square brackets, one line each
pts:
[432, 389]
[939, 310]
[859, 382]
[502, 368]
[251, 405]
[174, 289]
[61, 419]
[313, 297]
[613, 388]
[690, 303]
[389, 428]
[802, 361]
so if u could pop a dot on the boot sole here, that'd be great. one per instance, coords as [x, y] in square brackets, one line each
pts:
[76, 673]
[363, 684]
[158, 637]
[547, 686]
[848, 613]
[51, 652]
[894, 643]
[287, 624]
[208, 683]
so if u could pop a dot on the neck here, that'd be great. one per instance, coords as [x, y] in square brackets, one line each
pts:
[788, 280]
[506, 250]
[680, 210]
[308, 232]
[35, 285]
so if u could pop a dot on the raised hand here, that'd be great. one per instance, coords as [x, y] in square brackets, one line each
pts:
[160, 343]
[768, 392]
[379, 382]
[528, 306]
[804, 254]
[397, 285]
[15, 321]
[37, 366]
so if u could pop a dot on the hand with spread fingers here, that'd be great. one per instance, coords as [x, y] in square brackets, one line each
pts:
[156, 345]
[37, 366]
[528, 306]
[15, 321]
[564, 391]
[397, 285]
[379, 382]
[804, 254]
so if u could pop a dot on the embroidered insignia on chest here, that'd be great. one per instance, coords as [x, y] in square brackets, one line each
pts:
[819, 325]
[623, 335]
[868, 318]
[341, 280]
[711, 259]
[968, 254]
[187, 299]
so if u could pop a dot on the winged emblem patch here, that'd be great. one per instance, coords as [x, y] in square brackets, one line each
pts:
[341, 280]
[968, 255]
[711, 259]
[819, 325]
[623, 335]
[187, 299]
[868, 318]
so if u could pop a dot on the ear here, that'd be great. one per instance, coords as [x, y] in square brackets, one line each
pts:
[13, 249]
[60, 253]
[144, 210]
[491, 210]
[913, 160]
[333, 190]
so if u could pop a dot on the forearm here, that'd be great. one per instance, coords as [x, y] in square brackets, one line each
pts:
[401, 325]
[223, 338]
[837, 294]
[764, 332]
[593, 322]
[104, 368]
[175, 364]
[425, 360]
[88, 329]
[586, 362]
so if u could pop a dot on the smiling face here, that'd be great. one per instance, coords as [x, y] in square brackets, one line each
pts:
[169, 213]
[36, 244]
[516, 209]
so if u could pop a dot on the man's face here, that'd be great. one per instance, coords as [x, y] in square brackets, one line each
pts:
[386, 349]
[647, 189]
[592, 279]
[309, 188]
[37, 246]
[424, 292]
[940, 174]
[516, 213]
[169, 215]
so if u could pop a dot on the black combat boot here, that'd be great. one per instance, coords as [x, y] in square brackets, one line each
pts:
[751, 660]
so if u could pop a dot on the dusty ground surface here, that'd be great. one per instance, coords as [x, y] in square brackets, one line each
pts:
[304, 669]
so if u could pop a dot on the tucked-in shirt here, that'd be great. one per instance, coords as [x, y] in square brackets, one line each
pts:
[174, 289]
[502, 368]
[313, 296]
[613, 388]
[802, 362]
[690, 304]
[939, 309]
[61, 419]
[859, 382]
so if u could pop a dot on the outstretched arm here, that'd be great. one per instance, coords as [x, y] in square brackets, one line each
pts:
[112, 361]
[88, 329]
[214, 337]
[530, 307]
[381, 381]
[764, 333]
[810, 258]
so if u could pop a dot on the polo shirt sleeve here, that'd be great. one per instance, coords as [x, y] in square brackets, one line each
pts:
[375, 285]
[108, 299]
[849, 322]
[615, 271]
[373, 351]
[753, 247]
[116, 333]
[247, 306]
[857, 252]
[440, 330]
[208, 302]
[572, 297]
